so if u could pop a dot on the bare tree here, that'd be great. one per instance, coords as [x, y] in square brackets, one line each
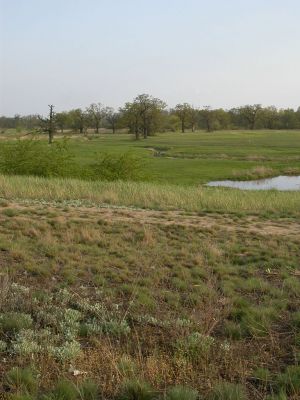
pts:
[48, 124]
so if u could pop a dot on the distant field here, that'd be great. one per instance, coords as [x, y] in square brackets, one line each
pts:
[195, 158]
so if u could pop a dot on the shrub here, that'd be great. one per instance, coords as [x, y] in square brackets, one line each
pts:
[136, 390]
[289, 380]
[263, 375]
[127, 367]
[194, 346]
[88, 390]
[34, 157]
[22, 380]
[13, 322]
[113, 167]
[64, 390]
[280, 396]
[68, 351]
[228, 391]
[3, 346]
[20, 396]
[181, 393]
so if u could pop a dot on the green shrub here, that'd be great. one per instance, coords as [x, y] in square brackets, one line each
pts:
[64, 390]
[34, 157]
[3, 346]
[113, 167]
[22, 380]
[136, 390]
[88, 390]
[296, 319]
[279, 396]
[194, 346]
[228, 391]
[20, 396]
[263, 375]
[181, 393]
[127, 367]
[13, 322]
[289, 380]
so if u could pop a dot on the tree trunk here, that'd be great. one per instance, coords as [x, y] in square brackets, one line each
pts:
[182, 126]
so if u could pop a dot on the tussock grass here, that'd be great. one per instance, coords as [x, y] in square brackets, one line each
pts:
[148, 195]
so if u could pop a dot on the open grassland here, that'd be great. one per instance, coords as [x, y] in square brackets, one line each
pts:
[157, 290]
[170, 298]
[193, 158]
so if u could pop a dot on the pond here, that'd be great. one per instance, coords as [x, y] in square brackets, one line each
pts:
[277, 183]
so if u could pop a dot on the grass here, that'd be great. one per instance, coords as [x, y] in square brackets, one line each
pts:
[135, 290]
[204, 302]
[194, 158]
[148, 195]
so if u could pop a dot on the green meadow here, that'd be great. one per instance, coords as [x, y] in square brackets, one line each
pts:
[198, 157]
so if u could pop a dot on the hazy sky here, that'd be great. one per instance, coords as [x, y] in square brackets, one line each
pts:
[218, 52]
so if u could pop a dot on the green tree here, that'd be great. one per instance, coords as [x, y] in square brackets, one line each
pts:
[250, 114]
[183, 111]
[96, 112]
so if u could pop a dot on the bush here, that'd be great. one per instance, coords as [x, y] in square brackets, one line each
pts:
[289, 380]
[64, 390]
[34, 157]
[113, 167]
[13, 322]
[88, 390]
[228, 391]
[181, 393]
[136, 390]
[22, 380]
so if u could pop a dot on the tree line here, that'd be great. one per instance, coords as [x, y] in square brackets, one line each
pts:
[146, 115]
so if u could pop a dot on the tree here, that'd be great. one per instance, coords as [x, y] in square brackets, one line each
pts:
[112, 118]
[130, 117]
[96, 113]
[78, 120]
[183, 111]
[62, 120]
[269, 117]
[250, 114]
[143, 115]
[194, 115]
[150, 109]
[208, 116]
[48, 124]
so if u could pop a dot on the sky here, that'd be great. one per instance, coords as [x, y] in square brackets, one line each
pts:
[222, 53]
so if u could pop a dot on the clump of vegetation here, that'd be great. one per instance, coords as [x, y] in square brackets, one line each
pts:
[89, 390]
[34, 157]
[22, 380]
[113, 167]
[228, 391]
[289, 380]
[181, 393]
[136, 390]
[13, 322]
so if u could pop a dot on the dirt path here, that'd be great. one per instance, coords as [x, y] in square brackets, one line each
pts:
[254, 224]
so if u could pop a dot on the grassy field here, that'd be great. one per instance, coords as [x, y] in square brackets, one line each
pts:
[162, 290]
[195, 158]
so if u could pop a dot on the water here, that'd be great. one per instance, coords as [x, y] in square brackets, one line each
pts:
[277, 183]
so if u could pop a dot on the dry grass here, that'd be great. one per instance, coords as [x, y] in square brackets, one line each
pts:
[147, 195]
[171, 277]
